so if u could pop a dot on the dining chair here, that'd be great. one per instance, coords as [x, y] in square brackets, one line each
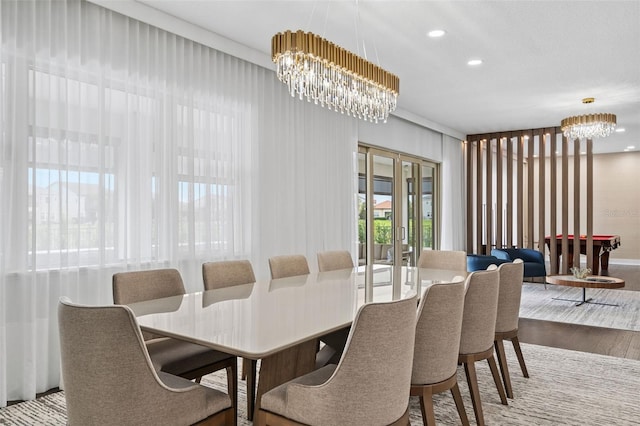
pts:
[288, 266]
[109, 378]
[443, 259]
[369, 386]
[510, 293]
[334, 260]
[435, 356]
[334, 342]
[173, 356]
[228, 273]
[478, 332]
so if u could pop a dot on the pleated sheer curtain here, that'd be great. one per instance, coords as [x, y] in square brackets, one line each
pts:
[453, 195]
[127, 147]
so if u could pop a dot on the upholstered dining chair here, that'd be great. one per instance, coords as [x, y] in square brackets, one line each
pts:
[443, 259]
[334, 260]
[288, 266]
[227, 273]
[173, 356]
[435, 356]
[109, 378]
[511, 277]
[370, 385]
[478, 332]
[334, 342]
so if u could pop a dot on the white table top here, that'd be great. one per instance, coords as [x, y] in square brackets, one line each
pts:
[260, 319]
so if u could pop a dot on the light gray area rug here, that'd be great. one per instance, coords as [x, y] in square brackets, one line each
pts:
[538, 303]
[565, 388]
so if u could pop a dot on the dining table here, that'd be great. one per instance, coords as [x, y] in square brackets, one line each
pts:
[279, 321]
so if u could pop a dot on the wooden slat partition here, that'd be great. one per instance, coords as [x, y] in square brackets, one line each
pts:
[489, 179]
[499, 191]
[553, 200]
[520, 189]
[507, 185]
[565, 202]
[576, 202]
[509, 204]
[589, 251]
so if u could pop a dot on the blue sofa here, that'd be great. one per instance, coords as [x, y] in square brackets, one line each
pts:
[480, 262]
[534, 265]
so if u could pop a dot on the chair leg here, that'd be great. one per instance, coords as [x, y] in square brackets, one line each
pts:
[496, 378]
[504, 368]
[251, 387]
[516, 348]
[426, 405]
[232, 388]
[472, 380]
[457, 397]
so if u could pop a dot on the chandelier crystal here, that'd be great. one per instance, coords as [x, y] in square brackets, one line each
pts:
[588, 126]
[327, 74]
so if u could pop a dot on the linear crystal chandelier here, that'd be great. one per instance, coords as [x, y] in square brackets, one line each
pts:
[588, 126]
[319, 70]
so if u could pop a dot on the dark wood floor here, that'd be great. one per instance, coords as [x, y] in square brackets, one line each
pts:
[604, 341]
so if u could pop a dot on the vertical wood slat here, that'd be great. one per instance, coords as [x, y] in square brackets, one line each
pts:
[509, 192]
[499, 199]
[489, 192]
[530, 191]
[542, 213]
[553, 202]
[576, 203]
[470, 222]
[589, 189]
[519, 189]
[565, 203]
[479, 197]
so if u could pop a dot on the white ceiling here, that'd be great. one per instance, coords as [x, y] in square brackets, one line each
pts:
[540, 58]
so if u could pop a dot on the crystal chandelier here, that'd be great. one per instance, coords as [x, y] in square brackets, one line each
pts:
[318, 70]
[588, 126]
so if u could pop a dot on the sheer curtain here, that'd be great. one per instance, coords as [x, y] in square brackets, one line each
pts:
[127, 147]
[453, 195]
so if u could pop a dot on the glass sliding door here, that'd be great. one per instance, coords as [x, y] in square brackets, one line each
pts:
[427, 234]
[396, 208]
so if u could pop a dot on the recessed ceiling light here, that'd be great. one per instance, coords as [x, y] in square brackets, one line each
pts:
[631, 147]
[474, 62]
[436, 33]
[620, 129]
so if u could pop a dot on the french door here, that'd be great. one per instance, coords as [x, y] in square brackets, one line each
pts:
[397, 201]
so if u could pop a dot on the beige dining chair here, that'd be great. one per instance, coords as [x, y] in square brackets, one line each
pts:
[228, 273]
[511, 277]
[435, 356]
[334, 260]
[443, 259]
[478, 332]
[109, 378]
[370, 385]
[168, 355]
[288, 266]
[334, 342]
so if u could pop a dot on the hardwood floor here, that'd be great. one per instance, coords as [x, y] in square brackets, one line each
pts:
[598, 340]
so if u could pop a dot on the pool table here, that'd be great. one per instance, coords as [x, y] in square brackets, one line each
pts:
[602, 245]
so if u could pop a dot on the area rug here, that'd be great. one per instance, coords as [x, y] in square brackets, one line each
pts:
[539, 303]
[565, 388]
